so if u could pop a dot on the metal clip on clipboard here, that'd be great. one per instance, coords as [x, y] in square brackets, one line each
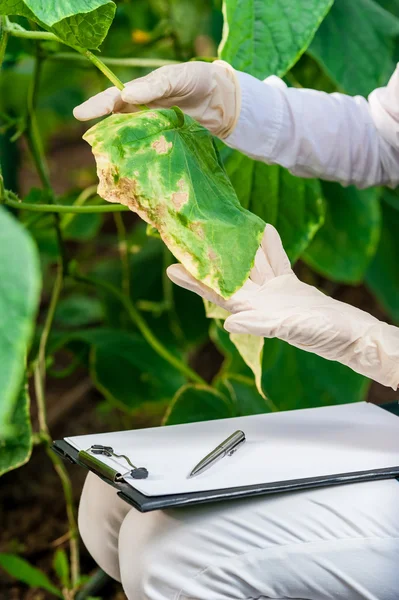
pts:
[88, 458]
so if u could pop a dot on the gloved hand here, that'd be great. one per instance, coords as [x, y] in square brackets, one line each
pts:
[208, 92]
[275, 303]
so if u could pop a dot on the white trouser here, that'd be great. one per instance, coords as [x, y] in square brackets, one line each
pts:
[339, 543]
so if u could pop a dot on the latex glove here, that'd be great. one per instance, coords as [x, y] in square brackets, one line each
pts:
[275, 303]
[208, 92]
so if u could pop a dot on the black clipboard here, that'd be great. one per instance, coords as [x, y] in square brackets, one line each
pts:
[145, 503]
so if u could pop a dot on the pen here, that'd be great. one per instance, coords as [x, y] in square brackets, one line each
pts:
[227, 447]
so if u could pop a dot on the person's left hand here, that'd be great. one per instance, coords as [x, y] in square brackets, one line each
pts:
[275, 303]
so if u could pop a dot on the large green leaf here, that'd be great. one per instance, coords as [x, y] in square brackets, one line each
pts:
[294, 378]
[83, 23]
[22, 571]
[164, 166]
[267, 37]
[19, 296]
[293, 205]
[16, 448]
[356, 44]
[344, 246]
[244, 394]
[383, 273]
[125, 369]
[198, 403]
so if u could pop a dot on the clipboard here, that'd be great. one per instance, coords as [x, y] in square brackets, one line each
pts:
[129, 492]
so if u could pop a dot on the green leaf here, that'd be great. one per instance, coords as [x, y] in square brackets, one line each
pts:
[82, 23]
[164, 166]
[61, 567]
[383, 273]
[233, 363]
[130, 373]
[198, 403]
[78, 310]
[344, 246]
[356, 44]
[294, 378]
[19, 297]
[294, 206]
[267, 38]
[16, 448]
[22, 571]
[244, 394]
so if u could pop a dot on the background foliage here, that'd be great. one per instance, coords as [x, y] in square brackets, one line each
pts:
[106, 305]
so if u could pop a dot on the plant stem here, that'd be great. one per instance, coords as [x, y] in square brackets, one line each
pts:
[62, 208]
[142, 326]
[80, 200]
[101, 66]
[3, 38]
[114, 62]
[19, 32]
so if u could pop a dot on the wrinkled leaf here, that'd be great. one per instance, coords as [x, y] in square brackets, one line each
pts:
[19, 297]
[16, 448]
[383, 273]
[294, 378]
[164, 166]
[83, 23]
[356, 45]
[198, 403]
[267, 38]
[293, 205]
[344, 246]
[22, 571]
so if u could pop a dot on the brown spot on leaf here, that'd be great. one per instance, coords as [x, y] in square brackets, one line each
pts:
[198, 229]
[161, 146]
[179, 199]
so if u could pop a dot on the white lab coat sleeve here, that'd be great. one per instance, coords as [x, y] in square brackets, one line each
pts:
[314, 134]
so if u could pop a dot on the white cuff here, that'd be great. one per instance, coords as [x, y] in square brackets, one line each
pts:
[260, 120]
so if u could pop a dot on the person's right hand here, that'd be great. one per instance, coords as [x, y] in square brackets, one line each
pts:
[208, 92]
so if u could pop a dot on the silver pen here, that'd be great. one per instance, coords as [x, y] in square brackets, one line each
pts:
[228, 447]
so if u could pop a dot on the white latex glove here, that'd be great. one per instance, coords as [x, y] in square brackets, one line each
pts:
[275, 303]
[208, 92]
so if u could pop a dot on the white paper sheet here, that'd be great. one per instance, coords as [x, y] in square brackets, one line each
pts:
[279, 447]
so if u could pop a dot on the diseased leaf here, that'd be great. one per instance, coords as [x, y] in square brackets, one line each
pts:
[344, 246]
[198, 403]
[267, 37]
[164, 166]
[383, 273]
[294, 378]
[22, 571]
[250, 348]
[16, 448]
[357, 44]
[19, 297]
[293, 205]
[82, 23]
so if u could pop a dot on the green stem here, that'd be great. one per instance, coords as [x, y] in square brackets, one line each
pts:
[19, 32]
[62, 208]
[3, 38]
[102, 67]
[44, 435]
[80, 200]
[142, 326]
[114, 62]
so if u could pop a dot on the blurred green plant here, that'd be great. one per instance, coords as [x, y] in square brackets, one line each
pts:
[106, 302]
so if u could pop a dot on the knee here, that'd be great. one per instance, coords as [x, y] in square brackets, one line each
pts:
[100, 515]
